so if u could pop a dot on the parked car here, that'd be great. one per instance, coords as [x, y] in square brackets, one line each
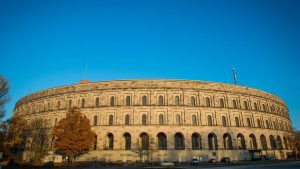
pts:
[290, 156]
[48, 164]
[12, 163]
[271, 158]
[167, 164]
[225, 160]
[195, 161]
[212, 160]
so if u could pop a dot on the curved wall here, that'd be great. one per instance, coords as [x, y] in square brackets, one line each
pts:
[169, 119]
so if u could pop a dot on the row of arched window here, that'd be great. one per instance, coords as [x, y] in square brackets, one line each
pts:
[197, 142]
[259, 123]
[178, 121]
[208, 103]
[235, 104]
[127, 120]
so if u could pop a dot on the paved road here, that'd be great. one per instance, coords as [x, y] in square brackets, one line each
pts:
[287, 165]
[281, 165]
[284, 165]
[276, 165]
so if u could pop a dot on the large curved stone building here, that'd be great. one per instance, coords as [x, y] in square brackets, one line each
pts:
[173, 120]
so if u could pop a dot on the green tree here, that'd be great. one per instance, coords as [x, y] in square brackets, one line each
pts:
[73, 135]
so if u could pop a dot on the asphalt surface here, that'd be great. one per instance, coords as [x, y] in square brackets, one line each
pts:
[281, 165]
[248, 165]
[284, 165]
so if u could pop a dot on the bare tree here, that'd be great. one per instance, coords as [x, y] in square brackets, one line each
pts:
[37, 136]
[3, 99]
[3, 95]
[296, 142]
[3, 134]
[144, 149]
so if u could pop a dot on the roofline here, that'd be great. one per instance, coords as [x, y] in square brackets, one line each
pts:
[174, 80]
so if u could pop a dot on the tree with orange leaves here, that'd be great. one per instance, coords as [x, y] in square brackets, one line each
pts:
[73, 135]
[16, 134]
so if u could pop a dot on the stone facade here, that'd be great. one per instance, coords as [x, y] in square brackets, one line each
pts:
[169, 119]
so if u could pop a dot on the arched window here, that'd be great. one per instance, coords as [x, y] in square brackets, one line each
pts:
[112, 101]
[237, 122]
[70, 103]
[144, 100]
[82, 103]
[253, 144]
[41, 108]
[97, 102]
[193, 101]
[209, 120]
[258, 123]
[95, 143]
[177, 100]
[248, 122]
[271, 109]
[279, 143]
[263, 142]
[264, 108]
[255, 106]
[110, 138]
[290, 143]
[224, 121]
[179, 141]
[212, 141]
[95, 120]
[144, 119]
[196, 141]
[48, 106]
[267, 124]
[245, 105]
[127, 119]
[241, 142]
[227, 141]
[162, 141]
[285, 143]
[161, 119]
[291, 146]
[145, 141]
[178, 121]
[274, 125]
[128, 102]
[222, 103]
[207, 102]
[194, 119]
[160, 100]
[127, 139]
[234, 104]
[111, 120]
[58, 105]
[272, 143]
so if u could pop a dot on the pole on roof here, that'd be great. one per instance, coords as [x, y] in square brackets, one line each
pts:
[234, 75]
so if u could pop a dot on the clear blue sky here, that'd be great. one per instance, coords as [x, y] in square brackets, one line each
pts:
[46, 43]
